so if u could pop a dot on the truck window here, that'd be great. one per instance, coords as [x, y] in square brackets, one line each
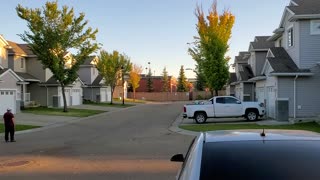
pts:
[229, 100]
[220, 100]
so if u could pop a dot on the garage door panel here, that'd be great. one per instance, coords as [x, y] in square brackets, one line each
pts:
[7, 100]
[76, 96]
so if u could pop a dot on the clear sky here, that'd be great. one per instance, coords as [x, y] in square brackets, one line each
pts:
[156, 31]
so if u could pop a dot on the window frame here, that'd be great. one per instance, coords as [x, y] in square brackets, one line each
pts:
[312, 25]
[290, 36]
[22, 63]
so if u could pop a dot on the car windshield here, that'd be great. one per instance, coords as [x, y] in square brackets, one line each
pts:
[261, 160]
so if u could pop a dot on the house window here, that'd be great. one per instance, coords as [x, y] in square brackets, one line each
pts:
[290, 37]
[280, 42]
[22, 63]
[315, 27]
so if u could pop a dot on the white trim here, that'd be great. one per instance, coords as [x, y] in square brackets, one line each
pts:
[4, 40]
[292, 74]
[294, 3]
[292, 35]
[304, 16]
[283, 99]
[312, 31]
[13, 73]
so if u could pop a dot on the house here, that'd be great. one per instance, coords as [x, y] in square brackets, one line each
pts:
[29, 82]
[230, 89]
[95, 88]
[291, 71]
[244, 89]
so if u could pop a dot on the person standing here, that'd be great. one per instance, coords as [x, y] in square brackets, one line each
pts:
[8, 118]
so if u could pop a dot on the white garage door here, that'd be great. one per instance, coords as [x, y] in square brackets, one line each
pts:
[271, 102]
[103, 95]
[7, 100]
[76, 96]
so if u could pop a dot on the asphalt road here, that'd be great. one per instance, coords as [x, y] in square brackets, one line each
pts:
[131, 144]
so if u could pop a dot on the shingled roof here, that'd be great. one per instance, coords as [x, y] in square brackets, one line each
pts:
[89, 60]
[261, 42]
[282, 62]
[26, 76]
[19, 49]
[232, 77]
[243, 57]
[97, 81]
[245, 72]
[305, 7]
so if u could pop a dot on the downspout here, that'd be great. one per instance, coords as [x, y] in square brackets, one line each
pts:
[294, 97]
[47, 96]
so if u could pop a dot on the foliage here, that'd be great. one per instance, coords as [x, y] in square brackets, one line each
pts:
[149, 82]
[182, 81]
[165, 80]
[135, 77]
[57, 112]
[110, 67]
[52, 34]
[211, 46]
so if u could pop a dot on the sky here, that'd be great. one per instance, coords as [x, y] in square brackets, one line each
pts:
[156, 31]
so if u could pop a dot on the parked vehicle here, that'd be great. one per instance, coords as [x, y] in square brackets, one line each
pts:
[223, 106]
[251, 155]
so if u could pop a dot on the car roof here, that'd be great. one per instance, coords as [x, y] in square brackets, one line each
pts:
[255, 135]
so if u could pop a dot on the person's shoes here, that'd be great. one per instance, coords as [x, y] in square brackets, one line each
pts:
[13, 140]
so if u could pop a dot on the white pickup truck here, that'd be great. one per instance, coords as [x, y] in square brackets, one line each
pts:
[223, 106]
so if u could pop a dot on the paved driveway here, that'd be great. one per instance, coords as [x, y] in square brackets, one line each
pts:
[130, 144]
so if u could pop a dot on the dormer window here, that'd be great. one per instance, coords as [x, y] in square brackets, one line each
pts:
[315, 27]
[290, 37]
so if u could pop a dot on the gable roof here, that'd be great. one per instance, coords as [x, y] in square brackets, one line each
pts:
[261, 43]
[305, 7]
[232, 77]
[4, 40]
[16, 49]
[54, 82]
[243, 57]
[97, 81]
[89, 60]
[27, 77]
[245, 72]
[6, 70]
[282, 62]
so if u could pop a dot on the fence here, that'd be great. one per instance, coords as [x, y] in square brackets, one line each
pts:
[174, 96]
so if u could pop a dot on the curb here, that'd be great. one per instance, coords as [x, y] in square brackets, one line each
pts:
[174, 127]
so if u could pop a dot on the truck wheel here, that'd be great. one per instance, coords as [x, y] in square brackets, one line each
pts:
[251, 115]
[200, 117]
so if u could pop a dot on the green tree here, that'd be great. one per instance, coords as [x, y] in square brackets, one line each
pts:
[201, 81]
[111, 66]
[165, 80]
[182, 81]
[149, 81]
[52, 33]
[211, 46]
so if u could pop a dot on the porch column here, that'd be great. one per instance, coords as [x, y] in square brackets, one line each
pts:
[23, 92]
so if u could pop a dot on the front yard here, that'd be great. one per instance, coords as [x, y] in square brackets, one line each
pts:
[309, 126]
[59, 112]
[116, 105]
[18, 127]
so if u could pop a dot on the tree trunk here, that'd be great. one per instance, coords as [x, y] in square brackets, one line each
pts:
[112, 90]
[217, 94]
[64, 98]
[211, 91]
[134, 94]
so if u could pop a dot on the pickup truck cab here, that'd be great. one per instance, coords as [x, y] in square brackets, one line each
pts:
[223, 106]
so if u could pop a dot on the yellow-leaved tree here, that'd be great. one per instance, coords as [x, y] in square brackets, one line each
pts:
[135, 77]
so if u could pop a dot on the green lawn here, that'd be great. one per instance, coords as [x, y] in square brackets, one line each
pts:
[310, 126]
[18, 127]
[59, 112]
[116, 104]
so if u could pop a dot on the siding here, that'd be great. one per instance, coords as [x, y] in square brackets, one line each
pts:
[310, 46]
[39, 94]
[308, 98]
[85, 75]
[3, 56]
[294, 50]
[260, 60]
[35, 68]
[17, 64]
[9, 82]
[90, 93]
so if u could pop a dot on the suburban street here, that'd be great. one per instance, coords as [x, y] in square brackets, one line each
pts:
[133, 143]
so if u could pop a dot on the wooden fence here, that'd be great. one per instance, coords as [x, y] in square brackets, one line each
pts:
[174, 96]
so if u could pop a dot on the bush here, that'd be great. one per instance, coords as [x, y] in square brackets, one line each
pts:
[199, 97]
